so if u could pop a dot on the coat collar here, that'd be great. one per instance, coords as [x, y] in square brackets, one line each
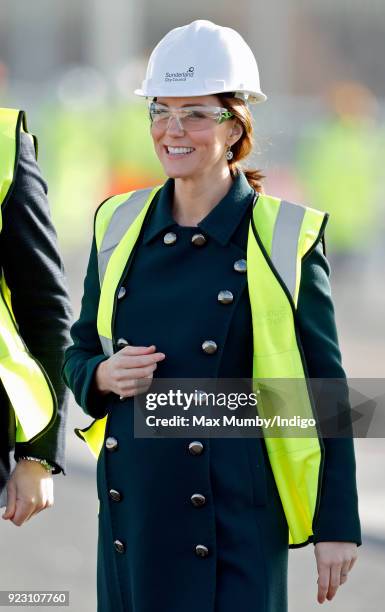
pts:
[220, 223]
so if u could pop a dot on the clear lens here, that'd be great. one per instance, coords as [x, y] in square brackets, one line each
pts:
[190, 117]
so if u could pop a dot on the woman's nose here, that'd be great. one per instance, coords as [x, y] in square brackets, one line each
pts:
[175, 126]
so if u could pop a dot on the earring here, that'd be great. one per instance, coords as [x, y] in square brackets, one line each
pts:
[229, 154]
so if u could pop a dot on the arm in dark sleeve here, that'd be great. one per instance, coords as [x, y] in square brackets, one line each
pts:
[338, 518]
[85, 354]
[34, 273]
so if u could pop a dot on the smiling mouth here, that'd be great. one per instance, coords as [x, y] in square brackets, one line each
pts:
[178, 152]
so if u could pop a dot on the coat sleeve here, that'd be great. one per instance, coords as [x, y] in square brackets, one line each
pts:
[34, 273]
[338, 517]
[85, 353]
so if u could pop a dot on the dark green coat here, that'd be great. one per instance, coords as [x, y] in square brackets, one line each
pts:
[170, 300]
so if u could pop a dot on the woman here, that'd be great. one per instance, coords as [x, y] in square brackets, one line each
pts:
[184, 523]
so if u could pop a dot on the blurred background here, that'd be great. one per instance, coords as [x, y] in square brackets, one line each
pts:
[320, 140]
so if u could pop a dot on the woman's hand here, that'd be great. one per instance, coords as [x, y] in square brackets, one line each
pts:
[334, 561]
[128, 372]
[29, 490]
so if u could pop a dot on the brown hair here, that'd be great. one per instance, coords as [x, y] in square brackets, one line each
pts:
[244, 145]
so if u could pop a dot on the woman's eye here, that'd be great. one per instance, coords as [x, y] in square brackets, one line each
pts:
[196, 115]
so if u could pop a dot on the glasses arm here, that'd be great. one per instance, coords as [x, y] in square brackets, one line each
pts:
[224, 116]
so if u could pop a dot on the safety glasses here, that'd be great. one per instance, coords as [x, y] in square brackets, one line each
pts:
[189, 118]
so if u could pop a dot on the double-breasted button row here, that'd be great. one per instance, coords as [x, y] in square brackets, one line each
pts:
[225, 296]
[195, 447]
[197, 239]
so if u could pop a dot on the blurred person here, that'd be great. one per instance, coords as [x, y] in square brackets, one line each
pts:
[208, 277]
[339, 161]
[35, 317]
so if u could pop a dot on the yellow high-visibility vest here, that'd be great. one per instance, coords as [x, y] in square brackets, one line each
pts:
[280, 234]
[27, 385]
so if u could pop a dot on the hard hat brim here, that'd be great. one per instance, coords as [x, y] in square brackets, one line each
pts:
[253, 98]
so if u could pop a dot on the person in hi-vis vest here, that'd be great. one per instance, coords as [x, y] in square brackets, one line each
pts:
[35, 316]
[207, 277]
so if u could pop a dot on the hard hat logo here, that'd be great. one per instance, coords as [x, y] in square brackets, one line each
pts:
[179, 76]
[230, 66]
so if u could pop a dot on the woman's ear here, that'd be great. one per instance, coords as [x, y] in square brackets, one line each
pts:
[235, 133]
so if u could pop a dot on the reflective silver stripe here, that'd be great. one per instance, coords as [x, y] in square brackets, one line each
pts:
[285, 241]
[107, 346]
[123, 217]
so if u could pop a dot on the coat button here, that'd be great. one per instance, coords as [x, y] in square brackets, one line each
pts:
[240, 265]
[201, 550]
[111, 443]
[121, 293]
[115, 495]
[119, 546]
[209, 347]
[195, 448]
[198, 240]
[225, 297]
[121, 343]
[198, 500]
[169, 238]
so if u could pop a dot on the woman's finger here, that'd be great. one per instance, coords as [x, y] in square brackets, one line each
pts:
[335, 577]
[11, 500]
[138, 361]
[130, 349]
[352, 562]
[323, 582]
[344, 572]
[135, 387]
[123, 376]
[24, 510]
[128, 384]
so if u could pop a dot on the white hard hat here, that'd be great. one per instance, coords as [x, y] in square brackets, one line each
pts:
[199, 59]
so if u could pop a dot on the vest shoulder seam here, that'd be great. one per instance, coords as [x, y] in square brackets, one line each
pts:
[124, 196]
[311, 208]
[99, 207]
[115, 195]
